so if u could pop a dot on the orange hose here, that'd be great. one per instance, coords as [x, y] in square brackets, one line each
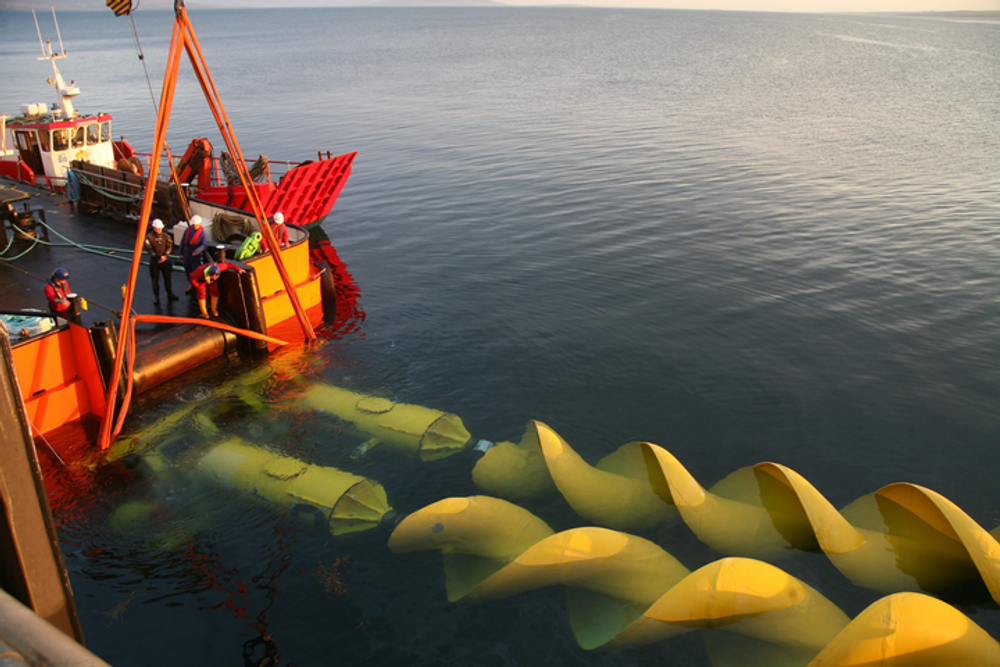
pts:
[165, 319]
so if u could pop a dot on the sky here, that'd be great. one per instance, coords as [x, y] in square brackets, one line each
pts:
[745, 5]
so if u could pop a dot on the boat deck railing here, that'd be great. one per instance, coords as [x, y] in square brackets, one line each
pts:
[263, 169]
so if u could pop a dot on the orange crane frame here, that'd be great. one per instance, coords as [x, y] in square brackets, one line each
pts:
[183, 36]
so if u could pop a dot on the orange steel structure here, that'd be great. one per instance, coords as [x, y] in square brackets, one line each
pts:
[183, 36]
[59, 378]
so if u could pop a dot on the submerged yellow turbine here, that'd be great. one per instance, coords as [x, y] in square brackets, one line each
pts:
[614, 493]
[410, 429]
[910, 630]
[332, 499]
[903, 537]
[624, 591]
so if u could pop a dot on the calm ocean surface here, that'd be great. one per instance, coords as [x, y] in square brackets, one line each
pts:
[744, 237]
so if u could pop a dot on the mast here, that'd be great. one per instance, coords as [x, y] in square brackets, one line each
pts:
[65, 93]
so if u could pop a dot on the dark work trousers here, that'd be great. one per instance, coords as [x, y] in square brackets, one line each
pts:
[157, 269]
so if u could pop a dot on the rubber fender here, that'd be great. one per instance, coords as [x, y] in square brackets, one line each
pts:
[409, 429]
[346, 502]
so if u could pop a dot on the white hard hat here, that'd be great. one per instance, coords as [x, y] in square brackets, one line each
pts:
[196, 220]
[157, 224]
[279, 218]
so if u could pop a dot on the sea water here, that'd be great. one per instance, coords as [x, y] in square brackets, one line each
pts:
[744, 237]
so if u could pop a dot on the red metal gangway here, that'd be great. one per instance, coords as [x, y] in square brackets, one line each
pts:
[305, 194]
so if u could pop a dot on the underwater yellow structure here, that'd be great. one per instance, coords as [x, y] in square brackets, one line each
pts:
[336, 501]
[624, 591]
[903, 537]
[412, 430]
[333, 499]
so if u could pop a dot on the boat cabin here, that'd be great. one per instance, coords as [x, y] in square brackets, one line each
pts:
[47, 145]
[38, 146]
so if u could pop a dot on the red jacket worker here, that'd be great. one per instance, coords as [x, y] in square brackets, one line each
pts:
[279, 230]
[57, 291]
[203, 282]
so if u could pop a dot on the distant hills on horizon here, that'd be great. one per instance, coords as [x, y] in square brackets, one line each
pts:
[91, 5]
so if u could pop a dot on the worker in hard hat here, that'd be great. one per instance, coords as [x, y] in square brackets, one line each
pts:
[57, 291]
[194, 242]
[203, 284]
[279, 230]
[158, 246]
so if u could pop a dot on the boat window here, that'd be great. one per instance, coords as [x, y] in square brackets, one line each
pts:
[22, 141]
[60, 140]
[105, 131]
[43, 140]
[93, 134]
[78, 137]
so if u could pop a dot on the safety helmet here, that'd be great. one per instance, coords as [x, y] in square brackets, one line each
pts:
[157, 224]
[279, 218]
[60, 274]
[212, 270]
[196, 220]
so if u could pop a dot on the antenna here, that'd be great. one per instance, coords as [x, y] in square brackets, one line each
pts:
[39, 31]
[62, 49]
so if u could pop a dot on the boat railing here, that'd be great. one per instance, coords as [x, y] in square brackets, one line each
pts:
[264, 169]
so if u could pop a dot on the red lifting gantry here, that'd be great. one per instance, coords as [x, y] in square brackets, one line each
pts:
[183, 36]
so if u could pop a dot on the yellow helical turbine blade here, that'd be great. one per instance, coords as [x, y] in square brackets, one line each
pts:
[901, 538]
[494, 549]
[477, 535]
[910, 630]
[736, 523]
[514, 471]
[602, 497]
[944, 543]
[904, 537]
[744, 596]
[604, 561]
[622, 590]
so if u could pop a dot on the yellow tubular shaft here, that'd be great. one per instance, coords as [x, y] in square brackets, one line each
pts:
[340, 501]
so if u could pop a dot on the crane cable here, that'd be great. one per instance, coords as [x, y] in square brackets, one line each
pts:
[152, 97]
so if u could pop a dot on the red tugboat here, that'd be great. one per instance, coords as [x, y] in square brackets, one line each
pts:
[61, 149]
[38, 146]
[71, 371]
